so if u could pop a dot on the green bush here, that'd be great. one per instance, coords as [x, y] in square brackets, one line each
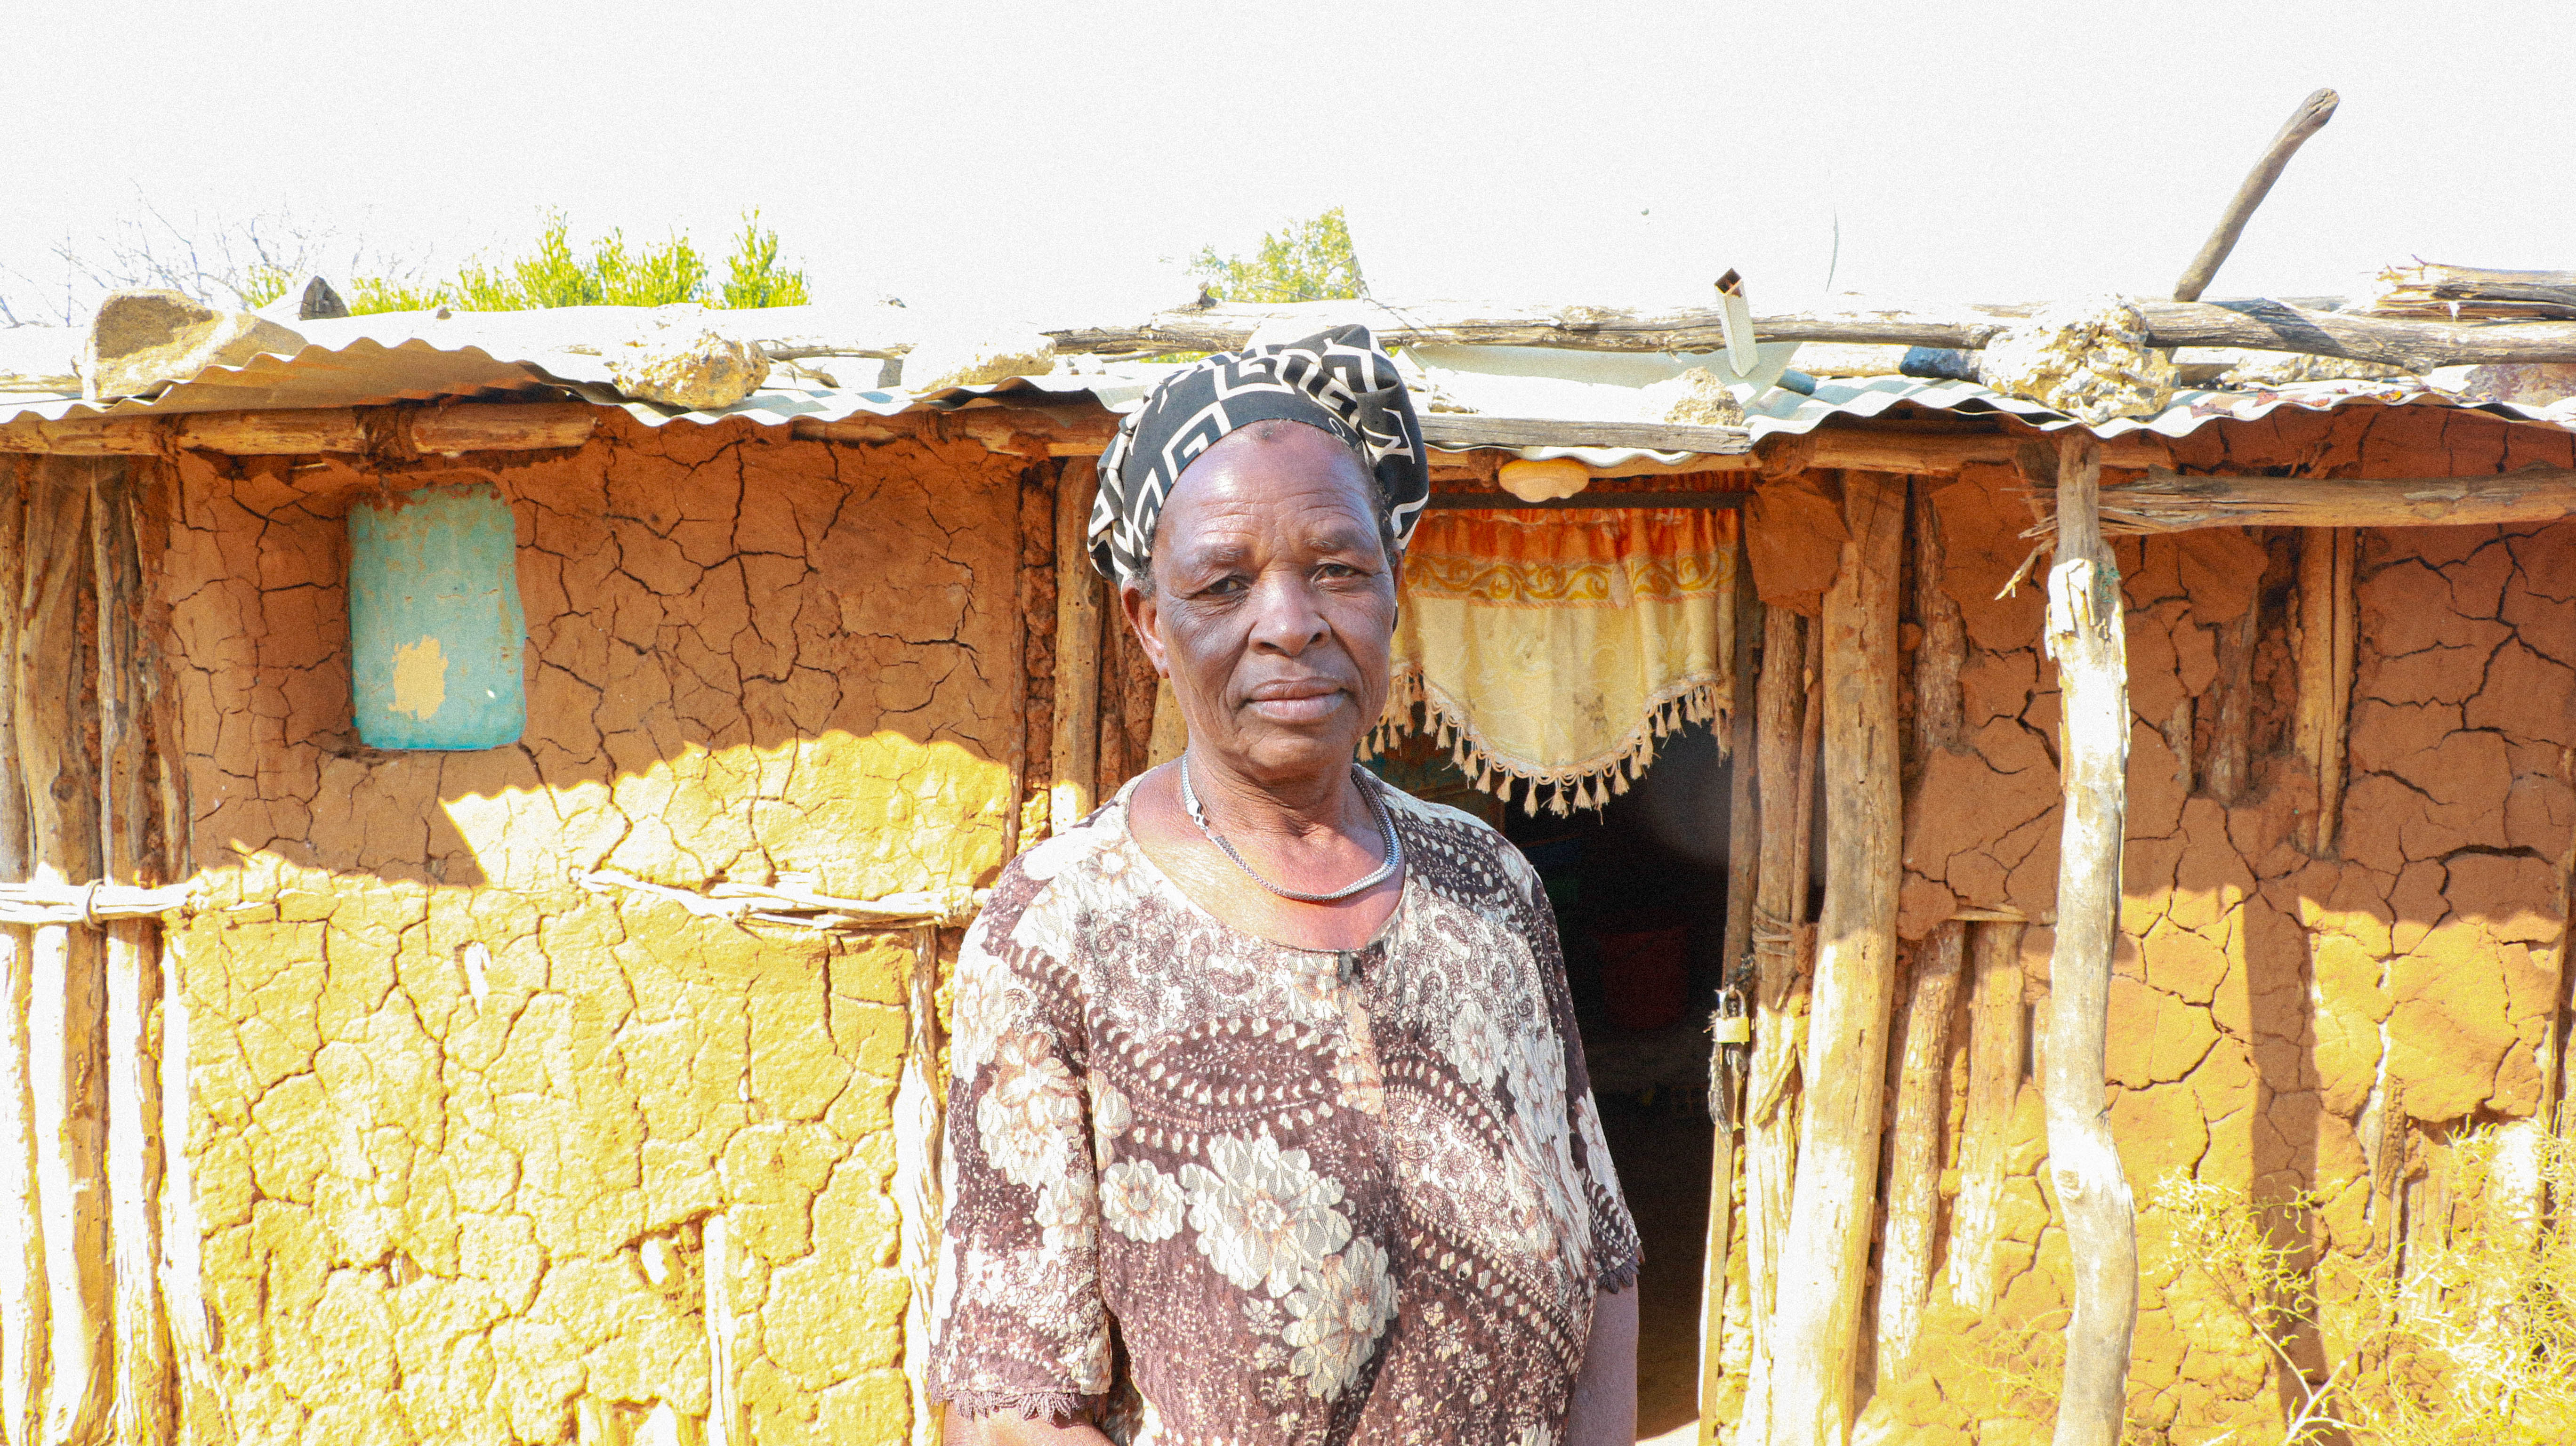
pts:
[556, 273]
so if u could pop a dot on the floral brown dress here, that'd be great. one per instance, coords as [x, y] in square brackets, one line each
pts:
[1241, 1193]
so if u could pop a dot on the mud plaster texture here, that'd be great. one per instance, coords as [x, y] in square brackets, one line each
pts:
[2268, 1002]
[457, 1127]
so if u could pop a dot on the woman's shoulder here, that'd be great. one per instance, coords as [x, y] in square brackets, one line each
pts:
[1455, 847]
[1063, 872]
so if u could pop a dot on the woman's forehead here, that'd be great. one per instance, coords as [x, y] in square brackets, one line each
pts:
[1248, 479]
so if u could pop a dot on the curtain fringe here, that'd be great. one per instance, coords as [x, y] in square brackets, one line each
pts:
[1590, 783]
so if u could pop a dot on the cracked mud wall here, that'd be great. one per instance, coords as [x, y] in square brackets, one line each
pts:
[479, 1156]
[2282, 1020]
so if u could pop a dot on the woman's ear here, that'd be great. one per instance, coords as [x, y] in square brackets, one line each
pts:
[1144, 612]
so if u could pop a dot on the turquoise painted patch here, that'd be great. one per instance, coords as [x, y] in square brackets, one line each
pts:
[435, 630]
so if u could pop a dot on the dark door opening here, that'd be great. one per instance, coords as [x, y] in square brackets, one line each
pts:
[1639, 889]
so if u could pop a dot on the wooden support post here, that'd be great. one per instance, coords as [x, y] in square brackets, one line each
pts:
[1998, 1042]
[2086, 635]
[23, 1293]
[2327, 633]
[1076, 752]
[141, 1349]
[64, 1004]
[1743, 872]
[1826, 1265]
[919, 1123]
[1914, 1149]
[1785, 752]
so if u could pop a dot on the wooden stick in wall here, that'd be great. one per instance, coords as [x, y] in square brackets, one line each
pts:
[141, 1413]
[1784, 752]
[2231, 745]
[1942, 654]
[64, 1004]
[1743, 873]
[1998, 1043]
[2086, 635]
[23, 1293]
[1826, 1264]
[2326, 641]
[1914, 1149]
[1078, 592]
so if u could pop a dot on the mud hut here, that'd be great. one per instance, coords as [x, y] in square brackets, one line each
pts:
[486, 846]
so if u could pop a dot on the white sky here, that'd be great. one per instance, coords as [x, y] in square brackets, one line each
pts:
[1049, 157]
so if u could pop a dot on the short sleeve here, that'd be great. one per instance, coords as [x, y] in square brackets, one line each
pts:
[1017, 1320]
[1616, 1250]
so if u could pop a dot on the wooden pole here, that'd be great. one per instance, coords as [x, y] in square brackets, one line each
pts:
[1076, 751]
[64, 1005]
[1914, 1149]
[2260, 324]
[23, 1295]
[1998, 1042]
[1784, 759]
[2086, 637]
[1743, 872]
[2304, 122]
[920, 1098]
[1016, 669]
[2327, 636]
[1826, 1264]
[2167, 502]
[141, 1349]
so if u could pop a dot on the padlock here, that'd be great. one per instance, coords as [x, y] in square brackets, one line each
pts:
[1731, 1024]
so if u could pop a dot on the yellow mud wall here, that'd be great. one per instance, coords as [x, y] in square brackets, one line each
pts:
[2269, 1001]
[463, 1139]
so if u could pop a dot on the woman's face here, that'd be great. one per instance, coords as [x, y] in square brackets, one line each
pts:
[1273, 608]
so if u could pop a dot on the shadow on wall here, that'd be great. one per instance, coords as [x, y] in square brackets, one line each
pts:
[747, 655]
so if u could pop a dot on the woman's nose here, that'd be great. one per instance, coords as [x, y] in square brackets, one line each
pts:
[1285, 617]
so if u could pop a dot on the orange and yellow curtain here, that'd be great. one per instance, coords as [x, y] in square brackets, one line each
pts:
[1550, 650]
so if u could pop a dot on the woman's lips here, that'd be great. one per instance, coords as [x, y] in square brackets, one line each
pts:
[1297, 701]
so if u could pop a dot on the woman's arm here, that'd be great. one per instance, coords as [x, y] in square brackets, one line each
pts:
[1605, 1394]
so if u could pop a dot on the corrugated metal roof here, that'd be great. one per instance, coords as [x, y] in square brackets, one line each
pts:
[372, 360]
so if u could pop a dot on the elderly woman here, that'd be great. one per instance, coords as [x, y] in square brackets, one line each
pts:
[1269, 1122]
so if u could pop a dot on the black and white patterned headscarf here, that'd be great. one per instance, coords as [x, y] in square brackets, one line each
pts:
[1337, 380]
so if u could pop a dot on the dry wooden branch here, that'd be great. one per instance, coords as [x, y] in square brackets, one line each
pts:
[1457, 430]
[2258, 323]
[1826, 1264]
[2459, 293]
[2168, 502]
[792, 903]
[2304, 122]
[1997, 1045]
[2087, 638]
[1914, 1150]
